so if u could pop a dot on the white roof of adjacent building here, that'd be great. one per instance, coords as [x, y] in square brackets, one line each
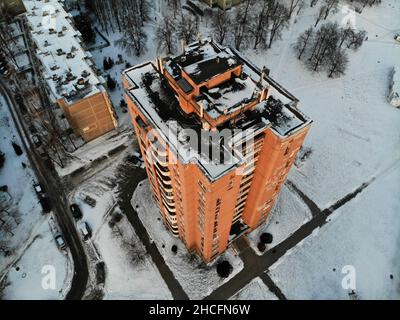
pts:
[67, 69]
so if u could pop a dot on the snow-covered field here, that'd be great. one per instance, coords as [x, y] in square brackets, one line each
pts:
[24, 231]
[255, 290]
[197, 280]
[127, 278]
[288, 215]
[365, 234]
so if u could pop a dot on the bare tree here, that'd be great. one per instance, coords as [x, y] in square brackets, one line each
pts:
[326, 40]
[321, 14]
[260, 28]
[241, 23]
[176, 6]
[279, 20]
[114, 12]
[345, 35]
[323, 48]
[221, 25]
[188, 29]
[313, 3]
[7, 42]
[356, 39]
[293, 5]
[165, 34]
[337, 63]
[134, 38]
[331, 5]
[303, 42]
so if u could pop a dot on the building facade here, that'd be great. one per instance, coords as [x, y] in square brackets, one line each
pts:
[68, 70]
[218, 136]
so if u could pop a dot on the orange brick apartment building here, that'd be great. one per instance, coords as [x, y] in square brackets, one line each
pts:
[210, 201]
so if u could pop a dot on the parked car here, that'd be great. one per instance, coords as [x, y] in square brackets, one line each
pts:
[36, 141]
[53, 226]
[90, 201]
[137, 162]
[76, 211]
[45, 203]
[85, 230]
[397, 37]
[61, 242]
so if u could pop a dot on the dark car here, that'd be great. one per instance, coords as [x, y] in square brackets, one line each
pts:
[44, 201]
[76, 211]
[90, 201]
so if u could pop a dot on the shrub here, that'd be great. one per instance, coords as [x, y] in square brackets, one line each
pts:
[266, 238]
[17, 149]
[224, 269]
[111, 83]
[261, 247]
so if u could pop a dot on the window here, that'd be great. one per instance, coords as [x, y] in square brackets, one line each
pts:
[201, 185]
[287, 151]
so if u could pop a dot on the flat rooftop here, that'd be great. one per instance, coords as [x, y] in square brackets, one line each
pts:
[67, 67]
[207, 69]
[204, 60]
[156, 99]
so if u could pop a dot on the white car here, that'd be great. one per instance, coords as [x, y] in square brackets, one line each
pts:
[61, 242]
[85, 230]
[397, 37]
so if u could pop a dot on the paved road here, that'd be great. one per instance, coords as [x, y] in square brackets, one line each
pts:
[51, 184]
[128, 180]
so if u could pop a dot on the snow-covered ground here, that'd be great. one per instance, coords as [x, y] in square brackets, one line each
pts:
[356, 131]
[364, 234]
[24, 230]
[197, 280]
[255, 290]
[288, 215]
[40, 258]
[130, 272]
